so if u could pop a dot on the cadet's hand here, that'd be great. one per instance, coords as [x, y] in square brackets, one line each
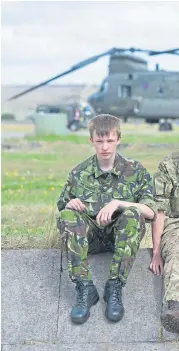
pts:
[76, 204]
[105, 214]
[156, 265]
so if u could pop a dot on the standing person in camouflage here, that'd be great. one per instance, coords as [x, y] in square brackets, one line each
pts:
[103, 207]
[166, 238]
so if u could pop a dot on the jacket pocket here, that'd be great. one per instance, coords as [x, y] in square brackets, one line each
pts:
[85, 194]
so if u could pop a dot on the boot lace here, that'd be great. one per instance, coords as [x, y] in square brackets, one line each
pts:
[81, 294]
[116, 292]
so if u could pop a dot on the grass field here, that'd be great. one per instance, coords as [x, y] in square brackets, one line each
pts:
[32, 180]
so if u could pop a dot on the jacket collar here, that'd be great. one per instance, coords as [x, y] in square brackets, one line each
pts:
[119, 164]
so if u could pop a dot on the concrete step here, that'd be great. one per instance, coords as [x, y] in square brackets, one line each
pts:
[36, 317]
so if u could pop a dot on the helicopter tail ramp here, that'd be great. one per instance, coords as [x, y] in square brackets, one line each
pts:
[36, 306]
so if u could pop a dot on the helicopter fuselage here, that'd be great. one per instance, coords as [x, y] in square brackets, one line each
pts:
[130, 89]
[151, 95]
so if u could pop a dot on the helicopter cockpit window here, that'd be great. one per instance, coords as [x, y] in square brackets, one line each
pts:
[104, 87]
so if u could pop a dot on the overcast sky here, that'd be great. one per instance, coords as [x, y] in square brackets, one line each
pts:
[41, 39]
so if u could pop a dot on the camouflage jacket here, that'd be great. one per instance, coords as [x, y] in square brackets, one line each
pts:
[127, 181]
[166, 185]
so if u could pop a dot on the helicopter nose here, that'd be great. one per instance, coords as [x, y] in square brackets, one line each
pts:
[92, 99]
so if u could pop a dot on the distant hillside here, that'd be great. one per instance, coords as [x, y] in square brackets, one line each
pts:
[52, 94]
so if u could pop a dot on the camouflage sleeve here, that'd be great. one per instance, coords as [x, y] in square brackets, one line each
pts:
[145, 192]
[162, 187]
[65, 194]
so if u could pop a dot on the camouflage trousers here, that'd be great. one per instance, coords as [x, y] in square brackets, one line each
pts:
[170, 254]
[81, 235]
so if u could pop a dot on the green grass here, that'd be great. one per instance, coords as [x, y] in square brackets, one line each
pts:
[148, 139]
[127, 137]
[32, 157]
[33, 179]
[77, 139]
[31, 184]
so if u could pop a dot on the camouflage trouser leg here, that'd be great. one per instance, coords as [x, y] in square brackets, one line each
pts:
[73, 229]
[81, 235]
[129, 229]
[170, 254]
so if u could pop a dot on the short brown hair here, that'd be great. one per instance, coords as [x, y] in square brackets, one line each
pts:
[103, 124]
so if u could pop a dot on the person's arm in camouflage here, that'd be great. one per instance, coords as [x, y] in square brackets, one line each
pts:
[162, 187]
[67, 200]
[145, 201]
[65, 196]
[162, 184]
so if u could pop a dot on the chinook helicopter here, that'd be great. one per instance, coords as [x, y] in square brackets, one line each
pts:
[130, 89]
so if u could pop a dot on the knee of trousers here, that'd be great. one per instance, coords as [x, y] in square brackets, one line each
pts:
[132, 215]
[71, 221]
[69, 215]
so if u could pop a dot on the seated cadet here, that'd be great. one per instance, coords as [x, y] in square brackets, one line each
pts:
[166, 238]
[103, 206]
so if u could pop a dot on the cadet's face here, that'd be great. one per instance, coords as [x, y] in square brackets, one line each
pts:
[105, 146]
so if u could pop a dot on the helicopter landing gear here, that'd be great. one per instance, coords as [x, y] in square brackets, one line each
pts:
[165, 125]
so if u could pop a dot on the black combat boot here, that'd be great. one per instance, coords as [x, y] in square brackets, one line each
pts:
[113, 297]
[170, 316]
[87, 296]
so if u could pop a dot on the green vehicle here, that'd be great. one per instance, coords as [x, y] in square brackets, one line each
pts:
[78, 114]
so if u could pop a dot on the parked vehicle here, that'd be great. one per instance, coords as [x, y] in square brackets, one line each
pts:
[78, 113]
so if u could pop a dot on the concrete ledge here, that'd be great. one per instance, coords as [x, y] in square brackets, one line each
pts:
[95, 347]
[35, 318]
[30, 295]
[142, 301]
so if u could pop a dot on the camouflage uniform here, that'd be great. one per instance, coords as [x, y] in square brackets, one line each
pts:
[166, 193]
[127, 181]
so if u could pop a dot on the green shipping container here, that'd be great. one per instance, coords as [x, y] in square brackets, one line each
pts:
[51, 123]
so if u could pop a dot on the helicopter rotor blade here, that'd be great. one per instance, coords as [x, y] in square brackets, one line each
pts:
[72, 69]
[93, 59]
[172, 51]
